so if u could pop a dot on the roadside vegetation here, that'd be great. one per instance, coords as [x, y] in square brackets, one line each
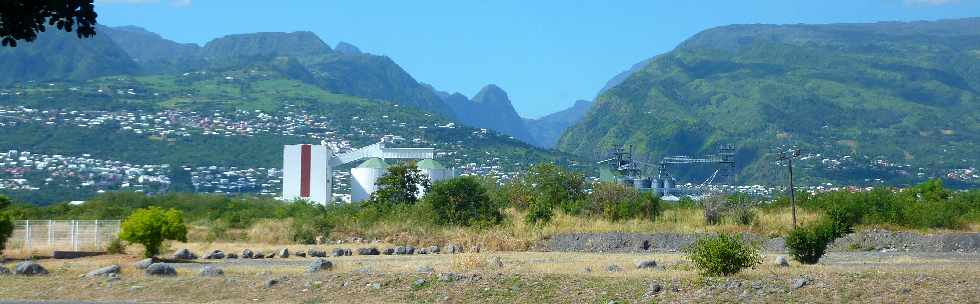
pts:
[512, 215]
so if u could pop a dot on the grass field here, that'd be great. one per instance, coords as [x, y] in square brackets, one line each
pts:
[531, 277]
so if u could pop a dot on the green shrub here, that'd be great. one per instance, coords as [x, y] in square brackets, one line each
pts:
[151, 226]
[616, 202]
[724, 255]
[6, 223]
[807, 244]
[461, 201]
[116, 246]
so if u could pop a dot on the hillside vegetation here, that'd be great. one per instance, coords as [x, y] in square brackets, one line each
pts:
[905, 96]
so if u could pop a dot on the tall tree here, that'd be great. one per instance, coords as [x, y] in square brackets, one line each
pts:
[23, 19]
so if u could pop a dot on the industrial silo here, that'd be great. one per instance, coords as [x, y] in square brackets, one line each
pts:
[363, 178]
[434, 171]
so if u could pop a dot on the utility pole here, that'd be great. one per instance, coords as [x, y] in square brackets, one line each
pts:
[788, 156]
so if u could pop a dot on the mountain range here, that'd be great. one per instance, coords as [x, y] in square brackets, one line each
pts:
[889, 101]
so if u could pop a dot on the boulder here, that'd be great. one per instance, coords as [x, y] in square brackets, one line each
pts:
[433, 249]
[214, 255]
[231, 255]
[449, 277]
[339, 252]
[211, 271]
[645, 264]
[418, 283]
[388, 251]
[247, 254]
[161, 269]
[800, 282]
[300, 254]
[271, 282]
[368, 251]
[316, 253]
[781, 261]
[453, 249]
[29, 268]
[403, 250]
[4, 270]
[422, 250]
[142, 264]
[318, 265]
[104, 271]
[258, 255]
[271, 255]
[184, 254]
[284, 253]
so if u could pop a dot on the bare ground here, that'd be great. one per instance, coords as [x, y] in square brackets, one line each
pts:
[532, 277]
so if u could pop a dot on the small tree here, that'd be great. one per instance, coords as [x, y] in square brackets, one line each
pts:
[400, 185]
[6, 224]
[552, 187]
[462, 201]
[151, 226]
[723, 255]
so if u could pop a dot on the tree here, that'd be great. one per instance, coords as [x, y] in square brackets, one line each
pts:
[400, 185]
[6, 224]
[22, 20]
[552, 187]
[462, 201]
[151, 226]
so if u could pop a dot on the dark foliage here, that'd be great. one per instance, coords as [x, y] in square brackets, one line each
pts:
[22, 20]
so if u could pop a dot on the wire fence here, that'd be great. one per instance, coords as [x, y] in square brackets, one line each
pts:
[68, 235]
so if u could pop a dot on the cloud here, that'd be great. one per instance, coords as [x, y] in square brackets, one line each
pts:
[174, 3]
[930, 2]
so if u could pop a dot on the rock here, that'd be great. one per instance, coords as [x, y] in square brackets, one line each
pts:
[800, 282]
[388, 251]
[300, 254]
[449, 277]
[781, 261]
[422, 251]
[29, 268]
[318, 265]
[316, 253]
[654, 288]
[284, 253]
[374, 285]
[614, 268]
[368, 251]
[215, 255]
[258, 255]
[247, 254]
[403, 250]
[453, 249]
[211, 271]
[184, 254]
[4, 270]
[142, 264]
[496, 262]
[231, 255]
[104, 271]
[161, 269]
[433, 249]
[418, 283]
[644, 264]
[271, 255]
[339, 252]
[424, 269]
[271, 282]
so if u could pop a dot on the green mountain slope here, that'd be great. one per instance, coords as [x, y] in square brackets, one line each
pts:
[57, 55]
[547, 130]
[490, 109]
[899, 97]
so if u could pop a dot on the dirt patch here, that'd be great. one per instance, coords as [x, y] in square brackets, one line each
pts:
[872, 240]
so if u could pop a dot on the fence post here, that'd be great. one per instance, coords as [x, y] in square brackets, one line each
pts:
[74, 235]
[27, 234]
[97, 235]
[50, 234]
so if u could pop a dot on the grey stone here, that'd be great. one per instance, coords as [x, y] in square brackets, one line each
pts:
[104, 271]
[368, 251]
[142, 264]
[231, 255]
[644, 264]
[388, 251]
[781, 261]
[271, 282]
[419, 283]
[339, 252]
[449, 277]
[375, 285]
[453, 249]
[316, 253]
[247, 254]
[184, 254]
[284, 253]
[214, 255]
[29, 268]
[422, 251]
[424, 269]
[800, 282]
[300, 254]
[211, 271]
[161, 269]
[433, 249]
[271, 255]
[654, 288]
[614, 268]
[4, 270]
[318, 265]
[258, 255]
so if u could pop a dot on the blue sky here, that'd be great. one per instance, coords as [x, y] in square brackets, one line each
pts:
[545, 54]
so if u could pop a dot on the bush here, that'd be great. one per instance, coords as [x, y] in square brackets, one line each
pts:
[808, 244]
[462, 201]
[616, 202]
[6, 224]
[116, 246]
[724, 255]
[151, 226]
[545, 187]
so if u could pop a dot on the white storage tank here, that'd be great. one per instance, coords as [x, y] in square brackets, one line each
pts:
[363, 178]
[434, 171]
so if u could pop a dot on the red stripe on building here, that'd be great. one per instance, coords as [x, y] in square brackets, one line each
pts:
[304, 171]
